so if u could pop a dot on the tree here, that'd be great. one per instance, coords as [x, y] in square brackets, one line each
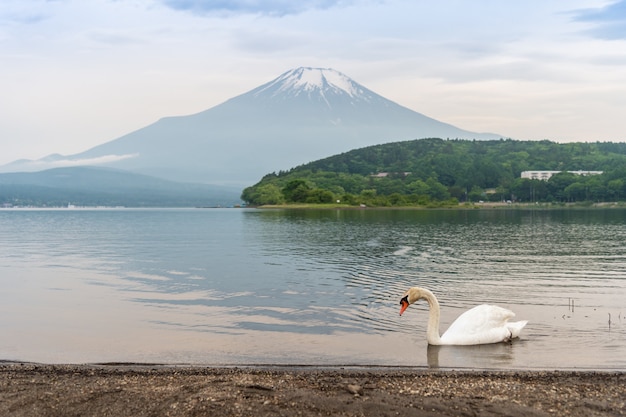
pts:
[457, 192]
[270, 194]
[476, 194]
[397, 199]
[576, 192]
[368, 196]
[320, 196]
[436, 190]
[418, 187]
[296, 191]
[597, 191]
[617, 188]
[262, 195]
[557, 184]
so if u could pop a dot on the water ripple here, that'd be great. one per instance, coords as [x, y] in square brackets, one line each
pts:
[295, 284]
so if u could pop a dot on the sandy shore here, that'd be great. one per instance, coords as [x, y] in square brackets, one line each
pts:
[145, 390]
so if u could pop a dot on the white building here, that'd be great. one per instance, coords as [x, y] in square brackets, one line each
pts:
[545, 175]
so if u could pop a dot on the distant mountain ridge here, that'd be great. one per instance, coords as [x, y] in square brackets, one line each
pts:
[96, 186]
[303, 115]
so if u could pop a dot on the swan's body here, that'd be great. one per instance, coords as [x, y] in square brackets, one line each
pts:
[480, 325]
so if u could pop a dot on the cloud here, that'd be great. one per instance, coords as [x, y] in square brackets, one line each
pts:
[105, 159]
[24, 17]
[609, 21]
[53, 162]
[266, 7]
[114, 38]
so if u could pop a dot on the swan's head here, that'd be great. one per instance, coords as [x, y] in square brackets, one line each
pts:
[409, 297]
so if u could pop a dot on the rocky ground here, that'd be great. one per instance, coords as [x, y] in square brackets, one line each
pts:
[144, 390]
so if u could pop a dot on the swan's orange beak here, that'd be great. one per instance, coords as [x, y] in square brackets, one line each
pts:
[405, 304]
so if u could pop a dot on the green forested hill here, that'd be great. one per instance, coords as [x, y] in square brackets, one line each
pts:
[432, 171]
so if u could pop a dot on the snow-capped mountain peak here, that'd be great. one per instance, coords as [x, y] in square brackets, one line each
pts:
[302, 115]
[311, 81]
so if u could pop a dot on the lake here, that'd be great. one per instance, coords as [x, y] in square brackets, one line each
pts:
[309, 287]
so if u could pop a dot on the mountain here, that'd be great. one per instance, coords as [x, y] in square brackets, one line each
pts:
[96, 186]
[303, 115]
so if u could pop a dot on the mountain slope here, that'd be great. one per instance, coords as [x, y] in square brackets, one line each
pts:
[303, 115]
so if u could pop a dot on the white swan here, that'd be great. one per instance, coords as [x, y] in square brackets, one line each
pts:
[481, 325]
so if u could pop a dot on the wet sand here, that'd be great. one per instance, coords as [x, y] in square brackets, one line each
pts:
[154, 390]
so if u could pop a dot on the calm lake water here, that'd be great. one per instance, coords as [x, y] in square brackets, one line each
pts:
[245, 286]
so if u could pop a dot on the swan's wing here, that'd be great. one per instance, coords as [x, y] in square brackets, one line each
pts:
[482, 324]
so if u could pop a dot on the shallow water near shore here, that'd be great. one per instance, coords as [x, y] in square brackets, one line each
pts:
[310, 287]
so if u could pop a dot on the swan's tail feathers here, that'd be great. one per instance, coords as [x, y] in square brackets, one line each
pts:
[516, 327]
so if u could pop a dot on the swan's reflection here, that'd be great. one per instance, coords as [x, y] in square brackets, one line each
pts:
[495, 355]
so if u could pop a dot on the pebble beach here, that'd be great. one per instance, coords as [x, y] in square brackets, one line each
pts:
[28, 389]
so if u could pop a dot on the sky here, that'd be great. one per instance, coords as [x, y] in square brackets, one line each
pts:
[78, 73]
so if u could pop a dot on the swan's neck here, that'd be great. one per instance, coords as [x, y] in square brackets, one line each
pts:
[432, 331]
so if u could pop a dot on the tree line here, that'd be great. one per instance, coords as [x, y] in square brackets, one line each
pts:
[434, 171]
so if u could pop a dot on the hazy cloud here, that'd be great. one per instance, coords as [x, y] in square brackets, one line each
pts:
[21, 15]
[80, 162]
[114, 38]
[58, 161]
[75, 73]
[609, 21]
[268, 7]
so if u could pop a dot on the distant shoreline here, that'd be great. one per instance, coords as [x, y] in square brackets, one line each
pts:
[460, 206]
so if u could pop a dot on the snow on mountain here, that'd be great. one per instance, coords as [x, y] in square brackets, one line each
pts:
[303, 115]
[319, 85]
[314, 80]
